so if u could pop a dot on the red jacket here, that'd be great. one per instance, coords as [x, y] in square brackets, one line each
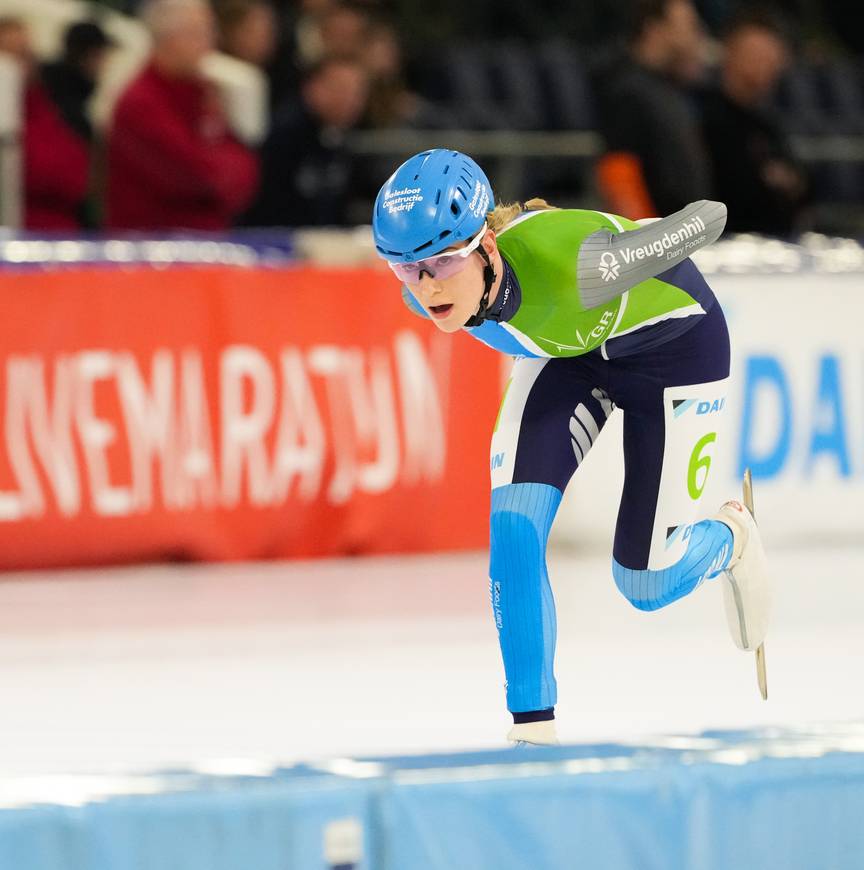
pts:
[171, 160]
[56, 165]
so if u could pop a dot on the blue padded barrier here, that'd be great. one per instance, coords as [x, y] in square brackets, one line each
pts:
[772, 800]
[203, 823]
[701, 816]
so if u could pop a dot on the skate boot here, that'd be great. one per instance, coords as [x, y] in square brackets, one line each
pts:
[747, 590]
[531, 734]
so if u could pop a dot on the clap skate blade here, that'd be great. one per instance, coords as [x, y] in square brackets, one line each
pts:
[761, 674]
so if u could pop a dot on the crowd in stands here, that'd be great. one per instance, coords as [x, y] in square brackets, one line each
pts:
[669, 142]
[58, 134]
[684, 111]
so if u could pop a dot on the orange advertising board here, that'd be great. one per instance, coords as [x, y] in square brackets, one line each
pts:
[226, 413]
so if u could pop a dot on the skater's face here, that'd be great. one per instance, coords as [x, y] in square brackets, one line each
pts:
[450, 285]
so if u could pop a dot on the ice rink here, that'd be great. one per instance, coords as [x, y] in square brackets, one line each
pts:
[155, 667]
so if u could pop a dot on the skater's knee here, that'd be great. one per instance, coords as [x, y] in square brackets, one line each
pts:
[523, 511]
[707, 554]
[638, 586]
[520, 521]
[648, 589]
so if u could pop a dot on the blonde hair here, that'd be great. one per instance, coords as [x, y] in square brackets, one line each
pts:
[506, 212]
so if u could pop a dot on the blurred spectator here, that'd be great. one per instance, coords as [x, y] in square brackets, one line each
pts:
[656, 161]
[15, 42]
[328, 28]
[306, 170]
[172, 162]
[248, 30]
[56, 157]
[754, 170]
[306, 30]
[344, 31]
[391, 103]
[72, 79]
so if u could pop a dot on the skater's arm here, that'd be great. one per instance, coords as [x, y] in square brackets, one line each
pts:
[611, 263]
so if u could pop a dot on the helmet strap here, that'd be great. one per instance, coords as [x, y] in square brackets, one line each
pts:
[488, 280]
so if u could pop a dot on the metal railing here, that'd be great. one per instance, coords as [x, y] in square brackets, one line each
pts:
[539, 143]
[512, 149]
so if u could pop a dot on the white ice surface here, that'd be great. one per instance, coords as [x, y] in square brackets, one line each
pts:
[175, 666]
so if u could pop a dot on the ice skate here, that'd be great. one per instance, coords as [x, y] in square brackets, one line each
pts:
[530, 734]
[748, 590]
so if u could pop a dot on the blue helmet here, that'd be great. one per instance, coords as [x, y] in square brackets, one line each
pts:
[433, 200]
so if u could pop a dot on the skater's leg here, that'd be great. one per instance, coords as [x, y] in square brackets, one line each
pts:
[549, 419]
[674, 405]
[522, 600]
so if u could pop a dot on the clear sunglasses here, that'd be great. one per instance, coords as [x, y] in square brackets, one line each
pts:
[440, 266]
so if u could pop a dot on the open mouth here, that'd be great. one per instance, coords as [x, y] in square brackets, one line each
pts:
[440, 310]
